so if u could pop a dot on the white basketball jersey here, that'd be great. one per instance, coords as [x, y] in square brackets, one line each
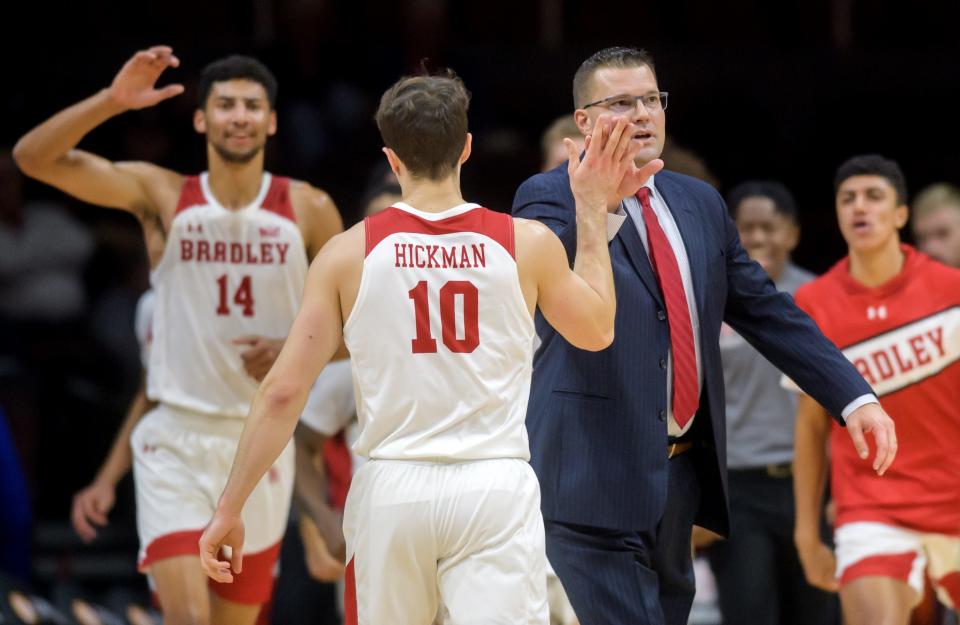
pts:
[440, 337]
[224, 274]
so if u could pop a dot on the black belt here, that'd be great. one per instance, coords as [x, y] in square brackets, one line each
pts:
[776, 471]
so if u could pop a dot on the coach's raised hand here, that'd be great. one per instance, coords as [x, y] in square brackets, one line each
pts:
[134, 86]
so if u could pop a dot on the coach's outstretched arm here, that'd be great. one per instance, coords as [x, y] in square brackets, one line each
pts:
[48, 152]
[581, 304]
[314, 337]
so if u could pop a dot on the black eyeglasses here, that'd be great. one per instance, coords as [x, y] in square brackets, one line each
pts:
[624, 103]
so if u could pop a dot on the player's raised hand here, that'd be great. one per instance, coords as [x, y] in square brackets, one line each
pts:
[224, 532]
[90, 507]
[260, 354]
[871, 418]
[134, 86]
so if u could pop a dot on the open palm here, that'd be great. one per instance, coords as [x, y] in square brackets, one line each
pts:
[134, 86]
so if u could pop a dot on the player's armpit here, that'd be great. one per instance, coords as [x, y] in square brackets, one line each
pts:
[566, 300]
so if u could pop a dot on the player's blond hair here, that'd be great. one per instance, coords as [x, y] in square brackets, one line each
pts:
[934, 197]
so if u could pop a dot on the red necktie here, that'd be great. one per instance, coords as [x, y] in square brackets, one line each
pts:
[685, 383]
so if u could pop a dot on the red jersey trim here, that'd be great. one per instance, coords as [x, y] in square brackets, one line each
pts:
[393, 220]
[350, 595]
[278, 200]
[894, 329]
[191, 194]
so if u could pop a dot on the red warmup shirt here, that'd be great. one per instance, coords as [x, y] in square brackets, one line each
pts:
[904, 338]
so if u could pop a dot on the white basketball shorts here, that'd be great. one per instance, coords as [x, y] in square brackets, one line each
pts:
[181, 461]
[467, 534]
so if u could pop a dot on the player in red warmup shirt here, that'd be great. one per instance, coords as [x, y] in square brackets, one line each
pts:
[895, 312]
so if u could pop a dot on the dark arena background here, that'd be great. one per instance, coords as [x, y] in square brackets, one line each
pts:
[781, 90]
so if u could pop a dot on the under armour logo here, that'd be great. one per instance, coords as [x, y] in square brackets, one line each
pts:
[195, 228]
[149, 448]
[876, 312]
[270, 232]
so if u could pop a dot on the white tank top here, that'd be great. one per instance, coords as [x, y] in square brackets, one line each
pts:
[224, 274]
[440, 337]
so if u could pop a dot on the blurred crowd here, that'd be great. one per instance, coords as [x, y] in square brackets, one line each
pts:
[70, 280]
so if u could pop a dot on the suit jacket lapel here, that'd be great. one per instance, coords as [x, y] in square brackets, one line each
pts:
[691, 231]
[633, 244]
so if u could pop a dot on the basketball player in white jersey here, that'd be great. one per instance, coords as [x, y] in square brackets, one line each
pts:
[228, 279]
[435, 298]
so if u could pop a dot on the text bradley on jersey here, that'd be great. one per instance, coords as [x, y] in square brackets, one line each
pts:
[234, 253]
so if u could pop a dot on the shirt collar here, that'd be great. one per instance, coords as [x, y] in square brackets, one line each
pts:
[622, 210]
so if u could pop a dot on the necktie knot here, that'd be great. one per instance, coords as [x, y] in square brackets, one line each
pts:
[643, 194]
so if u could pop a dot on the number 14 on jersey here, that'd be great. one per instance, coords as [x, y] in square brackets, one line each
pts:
[424, 343]
[242, 297]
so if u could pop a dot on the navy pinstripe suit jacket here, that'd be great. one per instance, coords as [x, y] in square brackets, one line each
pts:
[597, 421]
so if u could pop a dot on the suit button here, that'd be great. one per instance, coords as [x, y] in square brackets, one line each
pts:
[663, 363]
[662, 415]
[662, 316]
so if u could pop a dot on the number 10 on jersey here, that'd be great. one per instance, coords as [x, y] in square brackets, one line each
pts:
[424, 343]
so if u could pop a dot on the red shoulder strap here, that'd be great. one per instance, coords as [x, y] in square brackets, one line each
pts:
[277, 199]
[190, 194]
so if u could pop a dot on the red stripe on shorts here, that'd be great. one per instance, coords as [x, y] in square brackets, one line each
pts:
[951, 583]
[349, 596]
[255, 584]
[186, 543]
[896, 566]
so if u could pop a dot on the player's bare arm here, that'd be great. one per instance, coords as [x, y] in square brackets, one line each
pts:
[92, 504]
[49, 152]
[810, 475]
[581, 304]
[314, 337]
